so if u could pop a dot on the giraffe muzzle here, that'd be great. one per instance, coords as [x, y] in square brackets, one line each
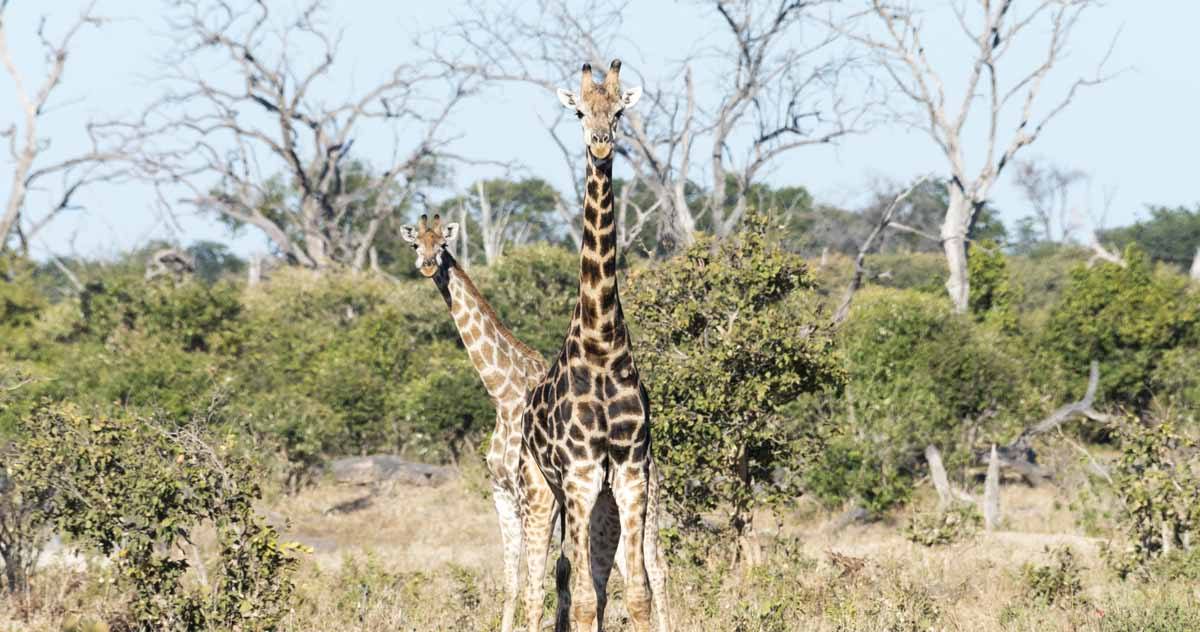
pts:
[601, 150]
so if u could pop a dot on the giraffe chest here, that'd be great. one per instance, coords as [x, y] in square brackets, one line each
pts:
[586, 413]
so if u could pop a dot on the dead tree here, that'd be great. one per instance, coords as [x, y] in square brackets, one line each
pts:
[775, 88]
[1195, 272]
[898, 43]
[1047, 189]
[267, 143]
[1019, 454]
[98, 163]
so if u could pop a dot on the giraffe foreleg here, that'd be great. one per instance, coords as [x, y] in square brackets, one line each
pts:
[538, 504]
[511, 539]
[581, 486]
[656, 566]
[630, 490]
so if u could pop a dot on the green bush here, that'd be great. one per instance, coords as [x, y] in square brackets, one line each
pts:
[1055, 583]
[943, 526]
[1157, 479]
[994, 296]
[135, 490]
[918, 374]
[725, 335]
[1125, 317]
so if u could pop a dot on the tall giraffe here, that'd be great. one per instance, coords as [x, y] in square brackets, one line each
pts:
[508, 369]
[587, 423]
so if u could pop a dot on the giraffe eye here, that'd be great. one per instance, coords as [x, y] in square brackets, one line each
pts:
[578, 114]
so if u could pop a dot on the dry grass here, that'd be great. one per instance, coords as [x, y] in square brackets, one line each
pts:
[428, 559]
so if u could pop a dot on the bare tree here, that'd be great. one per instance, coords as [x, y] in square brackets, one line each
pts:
[775, 89]
[27, 147]
[1047, 188]
[995, 29]
[267, 143]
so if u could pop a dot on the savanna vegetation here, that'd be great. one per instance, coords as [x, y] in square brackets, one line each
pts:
[901, 415]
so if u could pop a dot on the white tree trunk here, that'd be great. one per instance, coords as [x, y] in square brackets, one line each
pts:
[464, 239]
[991, 493]
[1196, 266]
[490, 228]
[954, 241]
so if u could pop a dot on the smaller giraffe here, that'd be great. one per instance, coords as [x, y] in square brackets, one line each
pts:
[508, 369]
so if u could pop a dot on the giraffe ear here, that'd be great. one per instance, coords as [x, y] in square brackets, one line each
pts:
[630, 97]
[408, 233]
[568, 99]
[450, 232]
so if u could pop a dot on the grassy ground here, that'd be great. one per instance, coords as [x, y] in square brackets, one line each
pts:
[428, 559]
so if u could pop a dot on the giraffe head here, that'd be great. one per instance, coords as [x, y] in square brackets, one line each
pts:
[599, 107]
[430, 240]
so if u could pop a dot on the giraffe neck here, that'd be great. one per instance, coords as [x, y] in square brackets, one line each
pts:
[599, 313]
[495, 352]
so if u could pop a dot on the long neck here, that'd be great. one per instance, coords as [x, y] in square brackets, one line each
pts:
[599, 314]
[500, 359]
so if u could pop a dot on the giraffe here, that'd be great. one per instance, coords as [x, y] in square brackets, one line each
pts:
[508, 369]
[587, 422]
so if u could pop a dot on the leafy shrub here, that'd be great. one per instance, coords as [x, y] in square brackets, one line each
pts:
[919, 374]
[1176, 381]
[725, 335]
[1125, 317]
[131, 489]
[1157, 478]
[994, 296]
[24, 527]
[943, 526]
[1055, 583]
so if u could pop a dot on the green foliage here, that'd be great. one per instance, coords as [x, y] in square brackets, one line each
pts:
[1125, 317]
[1157, 478]
[952, 524]
[919, 374]
[1055, 583]
[1170, 235]
[725, 335]
[443, 404]
[132, 489]
[993, 294]
[1176, 381]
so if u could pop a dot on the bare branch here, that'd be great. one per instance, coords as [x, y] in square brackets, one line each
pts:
[25, 145]
[257, 148]
[843, 310]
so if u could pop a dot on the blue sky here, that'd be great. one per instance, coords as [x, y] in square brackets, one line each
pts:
[1137, 135]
